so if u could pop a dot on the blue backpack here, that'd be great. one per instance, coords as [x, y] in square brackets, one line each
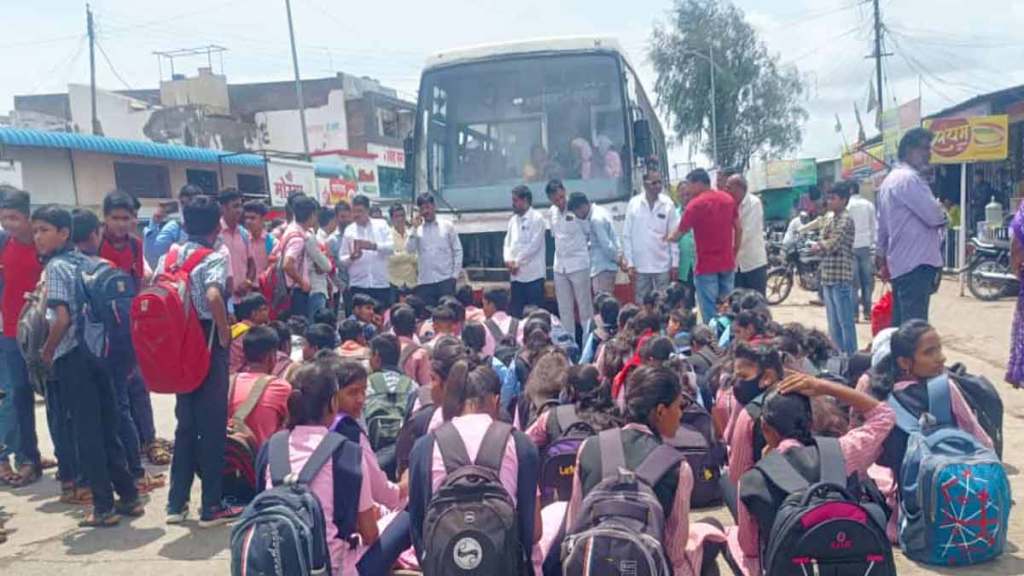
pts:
[954, 495]
[105, 293]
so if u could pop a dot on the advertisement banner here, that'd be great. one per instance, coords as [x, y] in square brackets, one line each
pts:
[784, 174]
[345, 175]
[287, 176]
[387, 157]
[973, 139]
[895, 123]
[863, 164]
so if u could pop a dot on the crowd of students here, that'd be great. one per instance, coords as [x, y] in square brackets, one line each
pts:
[422, 386]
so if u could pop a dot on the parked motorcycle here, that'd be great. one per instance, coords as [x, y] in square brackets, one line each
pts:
[989, 274]
[801, 265]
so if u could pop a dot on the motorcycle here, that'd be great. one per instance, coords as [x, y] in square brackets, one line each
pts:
[801, 265]
[989, 273]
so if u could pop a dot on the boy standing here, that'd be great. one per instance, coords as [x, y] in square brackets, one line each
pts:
[201, 414]
[836, 247]
[20, 271]
[238, 243]
[293, 251]
[81, 379]
[254, 212]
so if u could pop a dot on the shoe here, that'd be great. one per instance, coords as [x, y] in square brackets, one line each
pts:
[179, 517]
[219, 516]
[867, 318]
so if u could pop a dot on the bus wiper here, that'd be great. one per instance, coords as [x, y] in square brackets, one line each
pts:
[440, 196]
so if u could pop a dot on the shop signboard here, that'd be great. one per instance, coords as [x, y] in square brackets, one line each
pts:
[784, 174]
[287, 176]
[863, 164]
[971, 139]
[350, 174]
[387, 156]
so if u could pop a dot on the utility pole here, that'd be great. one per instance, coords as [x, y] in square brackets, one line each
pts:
[714, 117]
[298, 80]
[878, 59]
[91, 30]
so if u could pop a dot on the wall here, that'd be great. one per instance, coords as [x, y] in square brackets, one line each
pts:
[46, 174]
[119, 116]
[326, 126]
[208, 90]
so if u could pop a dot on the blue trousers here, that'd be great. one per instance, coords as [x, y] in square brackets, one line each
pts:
[711, 287]
[18, 410]
[121, 367]
[842, 316]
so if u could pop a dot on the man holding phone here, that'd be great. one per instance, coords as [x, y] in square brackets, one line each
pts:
[366, 248]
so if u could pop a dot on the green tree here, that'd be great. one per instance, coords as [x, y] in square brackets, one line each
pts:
[757, 100]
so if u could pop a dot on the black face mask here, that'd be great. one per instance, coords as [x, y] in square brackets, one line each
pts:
[747, 390]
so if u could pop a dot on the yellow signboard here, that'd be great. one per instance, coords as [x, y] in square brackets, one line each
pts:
[973, 139]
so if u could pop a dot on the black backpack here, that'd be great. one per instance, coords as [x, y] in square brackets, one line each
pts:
[415, 425]
[282, 532]
[528, 414]
[984, 400]
[471, 525]
[566, 433]
[505, 345]
[754, 408]
[830, 526]
[703, 452]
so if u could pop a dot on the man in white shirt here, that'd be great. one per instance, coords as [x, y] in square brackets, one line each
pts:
[524, 252]
[572, 259]
[605, 254]
[438, 250]
[862, 211]
[651, 217]
[365, 250]
[752, 257]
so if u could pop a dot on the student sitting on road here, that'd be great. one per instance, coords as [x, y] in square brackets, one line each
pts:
[353, 343]
[271, 410]
[251, 310]
[318, 337]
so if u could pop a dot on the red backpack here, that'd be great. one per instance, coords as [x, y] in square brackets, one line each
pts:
[172, 351]
[272, 283]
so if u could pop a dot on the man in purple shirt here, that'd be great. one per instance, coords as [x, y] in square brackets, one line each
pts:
[911, 223]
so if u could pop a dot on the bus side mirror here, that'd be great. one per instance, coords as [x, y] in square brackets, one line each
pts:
[410, 160]
[642, 139]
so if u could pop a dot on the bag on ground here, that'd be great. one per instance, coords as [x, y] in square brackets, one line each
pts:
[954, 494]
[170, 346]
[621, 525]
[471, 524]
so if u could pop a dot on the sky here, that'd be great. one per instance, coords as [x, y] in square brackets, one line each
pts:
[945, 50]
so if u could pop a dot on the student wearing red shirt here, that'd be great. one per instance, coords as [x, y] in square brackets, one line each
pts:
[714, 218]
[123, 248]
[20, 271]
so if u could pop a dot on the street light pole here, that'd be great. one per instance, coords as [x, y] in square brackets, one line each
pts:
[714, 105]
[298, 81]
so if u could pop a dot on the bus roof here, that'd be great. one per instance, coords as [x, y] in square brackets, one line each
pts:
[564, 44]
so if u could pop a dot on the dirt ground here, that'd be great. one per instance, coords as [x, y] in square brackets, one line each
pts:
[45, 539]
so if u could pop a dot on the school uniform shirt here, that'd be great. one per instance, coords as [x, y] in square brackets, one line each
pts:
[61, 278]
[644, 232]
[270, 413]
[504, 322]
[383, 491]
[316, 256]
[262, 248]
[236, 353]
[518, 474]
[293, 246]
[302, 442]
[355, 352]
[524, 245]
[21, 271]
[125, 254]
[417, 365]
[238, 243]
[677, 522]
[211, 272]
[861, 447]
[604, 242]
[371, 269]
[572, 239]
[438, 251]
[752, 253]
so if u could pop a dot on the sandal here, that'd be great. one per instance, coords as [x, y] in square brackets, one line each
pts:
[158, 454]
[47, 463]
[133, 509]
[26, 474]
[150, 482]
[77, 497]
[104, 520]
[7, 473]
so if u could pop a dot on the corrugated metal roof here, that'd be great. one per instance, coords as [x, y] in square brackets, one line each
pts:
[116, 146]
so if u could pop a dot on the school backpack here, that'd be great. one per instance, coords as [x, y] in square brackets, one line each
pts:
[384, 410]
[823, 527]
[954, 494]
[416, 423]
[471, 525]
[33, 330]
[621, 525]
[172, 351]
[527, 413]
[105, 293]
[282, 532]
[506, 338]
[240, 446]
[984, 400]
[703, 452]
[566, 433]
[273, 284]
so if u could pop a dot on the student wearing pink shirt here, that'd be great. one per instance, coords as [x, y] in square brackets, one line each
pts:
[271, 409]
[413, 358]
[237, 241]
[253, 213]
[501, 328]
[465, 297]
[787, 422]
[346, 499]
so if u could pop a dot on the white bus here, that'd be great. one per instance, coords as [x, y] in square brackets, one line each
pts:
[493, 117]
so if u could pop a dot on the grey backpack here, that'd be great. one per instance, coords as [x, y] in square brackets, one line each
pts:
[471, 525]
[33, 329]
[621, 525]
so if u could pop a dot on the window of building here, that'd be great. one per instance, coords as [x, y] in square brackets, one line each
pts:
[143, 180]
[387, 122]
[251, 185]
[205, 179]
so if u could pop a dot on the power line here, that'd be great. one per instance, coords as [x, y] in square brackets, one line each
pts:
[111, 66]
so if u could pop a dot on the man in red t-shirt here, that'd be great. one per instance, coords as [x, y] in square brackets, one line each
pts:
[717, 233]
[20, 271]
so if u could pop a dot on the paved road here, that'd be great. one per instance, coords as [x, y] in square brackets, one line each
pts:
[46, 541]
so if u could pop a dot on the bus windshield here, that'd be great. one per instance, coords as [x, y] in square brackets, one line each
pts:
[488, 126]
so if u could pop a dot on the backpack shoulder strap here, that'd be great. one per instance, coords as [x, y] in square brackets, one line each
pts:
[195, 259]
[780, 472]
[613, 455]
[424, 396]
[658, 463]
[246, 408]
[513, 328]
[453, 449]
[377, 383]
[407, 352]
[492, 448]
[565, 415]
[905, 419]
[323, 454]
[280, 463]
[831, 463]
[493, 328]
[939, 403]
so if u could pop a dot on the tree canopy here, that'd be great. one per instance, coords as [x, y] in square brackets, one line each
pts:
[757, 99]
